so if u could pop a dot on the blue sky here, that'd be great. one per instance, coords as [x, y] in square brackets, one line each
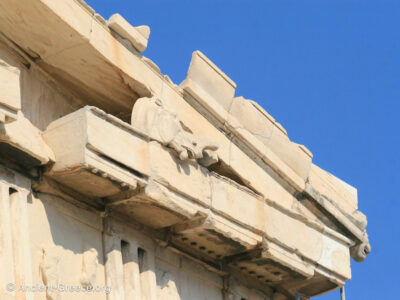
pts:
[329, 71]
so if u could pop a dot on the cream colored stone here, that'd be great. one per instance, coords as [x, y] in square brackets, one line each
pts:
[10, 90]
[261, 180]
[84, 140]
[21, 239]
[189, 279]
[182, 208]
[142, 269]
[187, 178]
[296, 159]
[144, 30]
[360, 246]
[234, 157]
[250, 144]
[6, 238]
[231, 230]
[153, 208]
[288, 258]
[50, 270]
[263, 126]
[89, 267]
[130, 257]
[114, 267]
[22, 135]
[308, 242]
[206, 76]
[99, 39]
[333, 188]
[160, 123]
[238, 291]
[78, 19]
[60, 235]
[138, 36]
[290, 153]
[267, 159]
[15, 238]
[235, 202]
[80, 36]
[257, 121]
[86, 6]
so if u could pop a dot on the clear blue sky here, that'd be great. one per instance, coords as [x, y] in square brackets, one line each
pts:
[329, 71]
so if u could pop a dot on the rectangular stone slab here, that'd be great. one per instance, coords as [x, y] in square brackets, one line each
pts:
[10, 94]
[127, 31]
[89, 148]
[206, 76]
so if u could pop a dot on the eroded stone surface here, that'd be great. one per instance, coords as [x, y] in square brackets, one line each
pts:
[201, 196]
[203, 74]
[270, 133]
[10, 92]
[161, 123]
[22, 135]
[138, 36]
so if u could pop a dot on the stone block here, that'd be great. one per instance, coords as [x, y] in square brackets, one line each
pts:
[203, 74]
[45, 40]
[339, 192]
[294, 156]
[266, 158]
[160, 207]
[237, 203]
[252, 117]
[187, 178]
[138, 36]
[319, 246]
[214, 236]
[10, 92]
[66, 246]
[226, 122]
[258, 122]
[173, 286]
[271, 264]
[23, 144]
[262, 180]
[98, 150]
[340, 199]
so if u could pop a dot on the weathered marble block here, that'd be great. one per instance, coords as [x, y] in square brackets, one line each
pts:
[205, 77]
[264, 127]
[94, 156]
[23, 145]
[10, 92]
[138, 36]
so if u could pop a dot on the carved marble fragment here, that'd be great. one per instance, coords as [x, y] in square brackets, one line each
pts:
[22, 134]
[50, 272]
[360, 251]
[161, 123]
[89, 267]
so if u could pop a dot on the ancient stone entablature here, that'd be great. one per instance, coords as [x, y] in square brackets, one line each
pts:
[106, 184]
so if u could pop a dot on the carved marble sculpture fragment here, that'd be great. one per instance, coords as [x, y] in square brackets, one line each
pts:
[161, 124]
